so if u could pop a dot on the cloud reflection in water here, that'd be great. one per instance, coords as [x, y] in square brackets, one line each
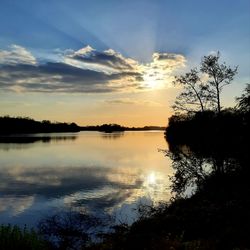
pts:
[92, 172]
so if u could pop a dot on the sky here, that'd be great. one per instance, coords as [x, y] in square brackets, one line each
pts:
[94, 62]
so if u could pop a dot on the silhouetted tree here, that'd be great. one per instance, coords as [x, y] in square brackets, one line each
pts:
[195, 94]
[243, 102]
[219, 75]
[202, 88]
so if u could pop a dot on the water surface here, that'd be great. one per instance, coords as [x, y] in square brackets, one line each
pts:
[99, 172]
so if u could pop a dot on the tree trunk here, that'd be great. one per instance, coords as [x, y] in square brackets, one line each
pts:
[218, 99]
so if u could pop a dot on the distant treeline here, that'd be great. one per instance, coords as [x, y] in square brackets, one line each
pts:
[26, 125]
[145, 128]
[22, 125]
[108, 128]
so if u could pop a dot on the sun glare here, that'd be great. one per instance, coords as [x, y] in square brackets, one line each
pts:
[152, 84]
[154, 79]
[150, 81]
[151, 179]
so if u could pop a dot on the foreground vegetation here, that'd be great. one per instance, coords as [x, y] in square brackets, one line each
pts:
[13, 238]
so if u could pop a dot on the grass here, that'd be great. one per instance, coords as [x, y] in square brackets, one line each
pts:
[13, 237]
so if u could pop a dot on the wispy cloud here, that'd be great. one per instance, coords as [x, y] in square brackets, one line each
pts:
[84, 71]
[129, 101]
[16, 55]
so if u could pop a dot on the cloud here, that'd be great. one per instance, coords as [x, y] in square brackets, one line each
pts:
[128, 101]
[107, 60]
[16, 55]
[160, 71]
[84, 71]
[167, 61]
[61, 77]
[121, 101]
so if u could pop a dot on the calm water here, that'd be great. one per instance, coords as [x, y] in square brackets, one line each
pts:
[99, 172]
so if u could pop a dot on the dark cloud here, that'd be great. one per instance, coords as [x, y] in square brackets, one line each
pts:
[60, 77]
[166, 56]
[105, 58]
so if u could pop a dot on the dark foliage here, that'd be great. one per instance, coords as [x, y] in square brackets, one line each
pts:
[244, 101]
[204, 128]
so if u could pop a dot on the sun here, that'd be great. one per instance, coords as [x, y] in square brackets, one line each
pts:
[154, 79]
[150, 81]
[151, 179]
[151, 84]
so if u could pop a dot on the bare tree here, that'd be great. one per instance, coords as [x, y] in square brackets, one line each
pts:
[202, 88]
[195, 95]
[219, 75]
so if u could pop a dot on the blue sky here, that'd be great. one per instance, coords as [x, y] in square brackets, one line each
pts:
[50, 32]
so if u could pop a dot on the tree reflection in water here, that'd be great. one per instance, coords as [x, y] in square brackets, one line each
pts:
[193, 169]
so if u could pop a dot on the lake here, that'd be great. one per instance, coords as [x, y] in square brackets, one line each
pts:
[113, 173]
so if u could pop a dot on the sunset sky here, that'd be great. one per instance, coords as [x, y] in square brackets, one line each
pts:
[97, 61]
